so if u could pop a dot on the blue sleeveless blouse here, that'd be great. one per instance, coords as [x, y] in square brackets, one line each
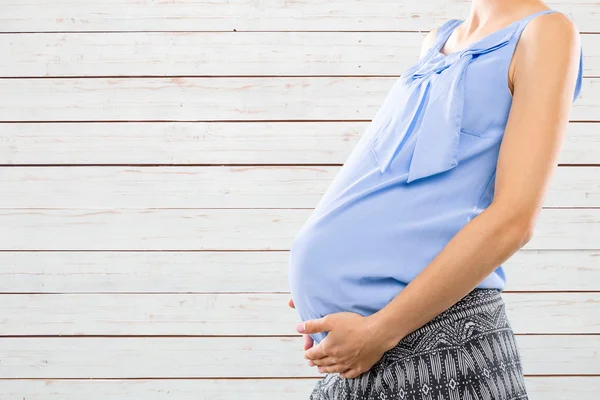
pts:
[423, 169]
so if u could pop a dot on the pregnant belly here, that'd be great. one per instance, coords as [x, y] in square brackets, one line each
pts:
[339, 264]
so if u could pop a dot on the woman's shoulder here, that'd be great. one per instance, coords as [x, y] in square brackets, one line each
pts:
[548, 46]
[428, 41]
[550, 28]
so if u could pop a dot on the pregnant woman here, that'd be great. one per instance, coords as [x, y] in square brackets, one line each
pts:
[397, 275]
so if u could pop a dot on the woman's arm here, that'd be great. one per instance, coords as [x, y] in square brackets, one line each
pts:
[544, 77]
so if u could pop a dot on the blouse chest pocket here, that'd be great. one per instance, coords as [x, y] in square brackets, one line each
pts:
[489, 124]
[479, 128]
[487, 101]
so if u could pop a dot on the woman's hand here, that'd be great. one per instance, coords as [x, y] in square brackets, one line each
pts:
[308, 340]
[351, 347]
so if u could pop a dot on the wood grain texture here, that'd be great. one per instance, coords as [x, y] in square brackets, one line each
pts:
[538, 387]
[246, 314]
[214, 99]
[263, 272]
[243, 15]
[297, 143]
[235, 357]
[224, 229]
[223, 53]
[174, 255]
[218, 187]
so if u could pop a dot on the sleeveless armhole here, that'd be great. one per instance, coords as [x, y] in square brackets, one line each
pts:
[579, 81]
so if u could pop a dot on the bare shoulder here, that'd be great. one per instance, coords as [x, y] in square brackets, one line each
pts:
[547, 49]
[428, 41]
[554, 35]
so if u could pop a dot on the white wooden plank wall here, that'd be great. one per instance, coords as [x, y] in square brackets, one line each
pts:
[158, 157]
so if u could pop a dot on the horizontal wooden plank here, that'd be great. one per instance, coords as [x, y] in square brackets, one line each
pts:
[202, 142]
[169, 187]
[242, 314]
[241, 15]
[216, 143]
[214, 99]
[223, 53]
[218, 187]
[235, 357]
[538, 388]
[163, 229]
[173, 272]
[217, 53]
[224, 229]
[213, 272]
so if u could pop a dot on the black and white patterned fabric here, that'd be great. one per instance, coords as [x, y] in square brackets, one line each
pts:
[468, 352]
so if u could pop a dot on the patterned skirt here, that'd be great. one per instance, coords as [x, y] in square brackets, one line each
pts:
[468, 352]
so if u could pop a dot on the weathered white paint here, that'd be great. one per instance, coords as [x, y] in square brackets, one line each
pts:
[539, 388]
[263, 272]
[242, 15]
[218, 187]
[214, 99]
[224, 229]
[278, 97]
[327, 142]
[246, 314]
[223, 53]
[218, 357]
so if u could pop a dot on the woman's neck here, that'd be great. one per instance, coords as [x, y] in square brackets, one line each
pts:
[493, 15]
[498, 13]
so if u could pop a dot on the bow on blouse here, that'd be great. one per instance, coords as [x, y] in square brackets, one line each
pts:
[433, 105]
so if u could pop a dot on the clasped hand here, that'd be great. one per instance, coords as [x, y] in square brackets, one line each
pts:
[350, 347]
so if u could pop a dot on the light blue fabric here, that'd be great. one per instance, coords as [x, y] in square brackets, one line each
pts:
[423, 169]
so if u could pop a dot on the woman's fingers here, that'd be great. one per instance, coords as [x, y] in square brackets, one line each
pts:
[316, 352]
[325, 361]
[308, 341]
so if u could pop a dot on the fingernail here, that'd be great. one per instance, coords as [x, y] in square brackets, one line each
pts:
[300, 327]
